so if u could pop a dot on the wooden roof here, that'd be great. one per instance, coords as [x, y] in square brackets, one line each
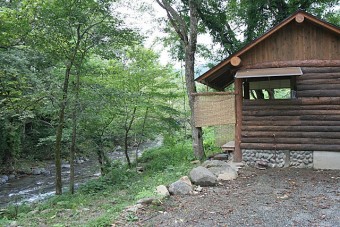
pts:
[223, 73]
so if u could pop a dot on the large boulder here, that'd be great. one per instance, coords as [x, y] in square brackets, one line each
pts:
[221, 169]
[180, 188]
[202, 176]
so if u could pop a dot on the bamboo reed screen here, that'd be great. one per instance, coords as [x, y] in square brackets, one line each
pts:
[214, 109]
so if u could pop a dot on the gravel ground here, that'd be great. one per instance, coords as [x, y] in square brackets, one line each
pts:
[272, 197]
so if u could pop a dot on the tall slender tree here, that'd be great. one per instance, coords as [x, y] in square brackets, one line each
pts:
[187, 33]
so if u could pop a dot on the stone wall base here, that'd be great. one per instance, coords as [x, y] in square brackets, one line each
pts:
[279, 158]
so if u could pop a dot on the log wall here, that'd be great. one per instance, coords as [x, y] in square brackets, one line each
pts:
[309, 123]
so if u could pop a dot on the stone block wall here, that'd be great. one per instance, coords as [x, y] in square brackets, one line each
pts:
[279, 158]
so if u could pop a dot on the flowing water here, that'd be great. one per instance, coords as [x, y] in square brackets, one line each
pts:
[31, 188]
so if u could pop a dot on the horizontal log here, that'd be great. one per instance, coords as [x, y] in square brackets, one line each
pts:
[213, 93]
[303, 87]
[289, 112]
[320, 69]
[291, 128]
[257, 122]
[278, 134]
[270, 118]
[318, 81]
[298, 101]
[292, 147]
[319, 93]
[290, 140]
[321, 117]
[295, 63]
[292, 107]
[265, 102]
[310, 76]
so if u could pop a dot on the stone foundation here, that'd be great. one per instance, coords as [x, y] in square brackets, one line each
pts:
[280, 158]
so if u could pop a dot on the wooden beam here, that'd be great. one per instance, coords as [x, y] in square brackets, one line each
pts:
[235, 61]
[310, 135]
[294, 63]
[213, 93]
[292, 147]
[299, 18]
[238, 126]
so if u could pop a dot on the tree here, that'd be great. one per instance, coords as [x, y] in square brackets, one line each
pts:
[67, 30]
[188, 36]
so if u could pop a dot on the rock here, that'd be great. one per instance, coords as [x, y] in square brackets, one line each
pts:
[65, 166]
[146, 201]
[45, 172]
[180, 188]
[13, 224]
[162, 190]
[198, 189]
[36, 171]
[11, 177]
[186, 180]
[232, 175]
[202, 176]
[118, 148]
[214, 163]
[221, 157]
[5, 178]
[133, 209]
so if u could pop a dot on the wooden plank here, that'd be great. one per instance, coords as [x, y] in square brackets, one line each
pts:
[265, 102]
[290, 112]
[304, 87]
[319, 93]
[311, 135]
[310, 76]
[276, 140]
[318, 81]
[293, 107]
[271, 118]
[321, 117]
[292, 147]
[293, 63]
[291, 128]
[321, 69]
[257, 122]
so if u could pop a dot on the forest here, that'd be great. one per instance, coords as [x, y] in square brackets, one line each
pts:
[78, 78]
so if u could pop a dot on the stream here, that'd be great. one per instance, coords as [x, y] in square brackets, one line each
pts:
[32, 188]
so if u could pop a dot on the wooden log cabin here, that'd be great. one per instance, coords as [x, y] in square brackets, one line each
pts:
[287, 90]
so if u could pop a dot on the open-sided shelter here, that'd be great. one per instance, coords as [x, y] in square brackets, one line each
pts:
[287, 94]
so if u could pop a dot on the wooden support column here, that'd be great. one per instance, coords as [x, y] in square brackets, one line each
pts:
[238, 126]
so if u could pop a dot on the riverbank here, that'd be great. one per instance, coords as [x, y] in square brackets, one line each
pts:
[100, 201]
[34, 181]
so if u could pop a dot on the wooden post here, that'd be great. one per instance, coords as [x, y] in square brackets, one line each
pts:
[238, 126]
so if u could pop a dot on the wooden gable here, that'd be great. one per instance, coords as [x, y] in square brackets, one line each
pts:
[300, 40]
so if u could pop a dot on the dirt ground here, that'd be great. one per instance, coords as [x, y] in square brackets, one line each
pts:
[272, 197]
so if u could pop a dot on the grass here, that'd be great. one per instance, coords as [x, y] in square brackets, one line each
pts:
[100, 201]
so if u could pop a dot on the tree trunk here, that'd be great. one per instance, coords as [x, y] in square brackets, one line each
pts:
[74, 133]
[58, 182]
[197, 134]
[190, 49]
[188, 36]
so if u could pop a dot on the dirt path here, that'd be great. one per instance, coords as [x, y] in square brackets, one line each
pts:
[273, 197]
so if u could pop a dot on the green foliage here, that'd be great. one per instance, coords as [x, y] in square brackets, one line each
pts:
[100, 201]
[209, 141]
